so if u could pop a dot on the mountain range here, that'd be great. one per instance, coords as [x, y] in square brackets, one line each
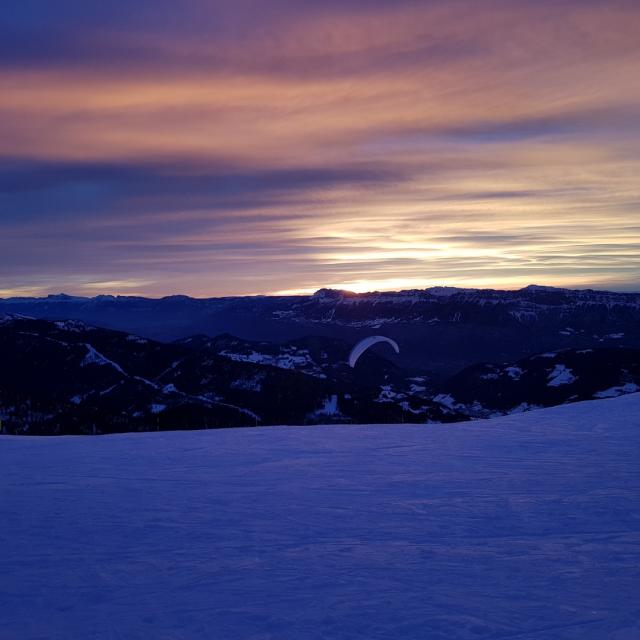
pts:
[441, 329]
[62, 374]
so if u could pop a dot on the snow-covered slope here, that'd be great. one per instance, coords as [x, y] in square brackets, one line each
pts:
[523, 527]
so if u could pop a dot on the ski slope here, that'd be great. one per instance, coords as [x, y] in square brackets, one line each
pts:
[522, 527]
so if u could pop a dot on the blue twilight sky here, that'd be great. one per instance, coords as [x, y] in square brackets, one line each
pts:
[240, 146]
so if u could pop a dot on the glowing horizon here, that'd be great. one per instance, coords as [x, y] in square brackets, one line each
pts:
[237, 148]
[358, 287]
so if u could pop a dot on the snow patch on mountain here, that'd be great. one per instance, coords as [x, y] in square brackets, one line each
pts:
[387, 394]
[447, 400]
[524, 406]
[73, 325]
[294, 360]
[514, 373]
[6, 318]
[330, 407]
[248, 384]
[560, 375]
[613, 392]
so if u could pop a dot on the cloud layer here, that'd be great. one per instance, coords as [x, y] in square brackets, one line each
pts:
[228, 148]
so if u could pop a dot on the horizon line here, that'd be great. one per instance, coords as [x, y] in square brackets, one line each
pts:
[308, 292]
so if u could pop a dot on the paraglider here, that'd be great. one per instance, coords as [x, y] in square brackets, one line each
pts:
[363, 345]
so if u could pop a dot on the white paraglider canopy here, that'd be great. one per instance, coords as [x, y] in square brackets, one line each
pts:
[363, 345]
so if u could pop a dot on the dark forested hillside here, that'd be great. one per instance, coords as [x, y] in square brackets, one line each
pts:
[70, 377]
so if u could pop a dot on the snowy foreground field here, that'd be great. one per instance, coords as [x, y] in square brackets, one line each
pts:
[522, 527]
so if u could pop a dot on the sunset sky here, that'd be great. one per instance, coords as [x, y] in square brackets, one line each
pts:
[215, 147]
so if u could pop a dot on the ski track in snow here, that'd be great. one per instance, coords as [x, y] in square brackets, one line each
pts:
[95, 357]
[522, 527]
